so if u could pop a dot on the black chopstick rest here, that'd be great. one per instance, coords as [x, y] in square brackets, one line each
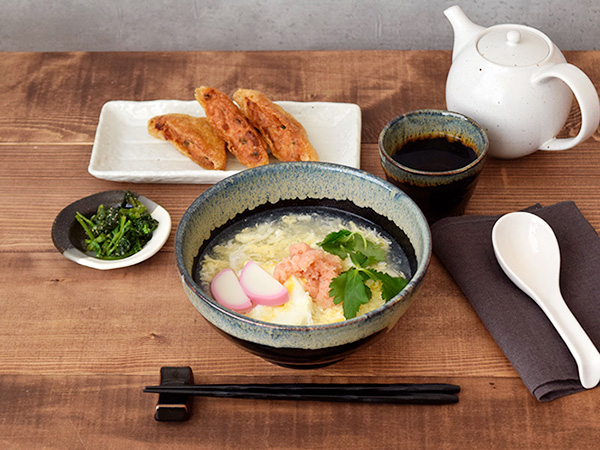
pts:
[172, 406]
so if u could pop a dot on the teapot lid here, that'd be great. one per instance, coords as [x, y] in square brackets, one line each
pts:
[513, 45]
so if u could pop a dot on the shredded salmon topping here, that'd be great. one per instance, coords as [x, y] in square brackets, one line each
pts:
[314, 267]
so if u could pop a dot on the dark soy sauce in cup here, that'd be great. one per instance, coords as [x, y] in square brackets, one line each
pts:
[434, 154]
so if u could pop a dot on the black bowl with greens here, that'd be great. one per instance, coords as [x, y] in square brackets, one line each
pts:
[111, 229]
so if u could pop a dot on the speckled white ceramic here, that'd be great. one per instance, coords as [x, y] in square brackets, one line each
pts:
[300, 183]
[124, 151]
[515, 82]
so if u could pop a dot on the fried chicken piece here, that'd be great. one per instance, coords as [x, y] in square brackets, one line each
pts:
[286, 137]
[243, 140]
[193, 137]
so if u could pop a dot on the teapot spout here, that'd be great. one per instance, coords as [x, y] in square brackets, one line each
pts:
[464, 29]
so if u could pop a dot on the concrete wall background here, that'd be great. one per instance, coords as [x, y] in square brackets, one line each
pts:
[107, 25]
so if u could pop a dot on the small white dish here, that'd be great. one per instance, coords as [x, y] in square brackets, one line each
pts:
[68, 235]
[124, 151]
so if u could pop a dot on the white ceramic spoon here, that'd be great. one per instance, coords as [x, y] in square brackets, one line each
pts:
[528, 252]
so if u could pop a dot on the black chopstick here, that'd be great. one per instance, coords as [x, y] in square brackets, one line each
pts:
[367, 393]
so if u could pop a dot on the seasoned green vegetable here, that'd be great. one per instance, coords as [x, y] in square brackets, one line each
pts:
[116, 232]
[349, 287]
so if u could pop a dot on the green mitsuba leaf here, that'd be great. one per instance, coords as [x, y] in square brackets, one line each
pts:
[349, 287]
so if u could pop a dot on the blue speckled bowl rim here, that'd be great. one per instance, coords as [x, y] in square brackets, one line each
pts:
[419, 274]
[395, 120]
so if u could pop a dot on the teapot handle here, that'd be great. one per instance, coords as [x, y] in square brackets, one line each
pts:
[586, 96]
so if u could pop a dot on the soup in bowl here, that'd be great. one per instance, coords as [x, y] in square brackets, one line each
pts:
[266, 216]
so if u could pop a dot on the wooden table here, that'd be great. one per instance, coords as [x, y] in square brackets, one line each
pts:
[77, 345]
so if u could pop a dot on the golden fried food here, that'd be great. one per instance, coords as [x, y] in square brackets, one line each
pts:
[193, 137]
[243, 140]
[286, 137]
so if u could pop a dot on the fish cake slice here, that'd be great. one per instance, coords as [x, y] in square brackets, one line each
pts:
[243, 140]
[193, 137]
[286, 137]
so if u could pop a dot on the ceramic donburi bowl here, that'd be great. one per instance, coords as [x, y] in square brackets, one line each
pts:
[310, 185]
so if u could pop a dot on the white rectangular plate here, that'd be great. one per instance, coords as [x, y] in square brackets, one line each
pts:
[124, 151]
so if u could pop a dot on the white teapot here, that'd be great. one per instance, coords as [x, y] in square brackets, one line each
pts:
[517, 85]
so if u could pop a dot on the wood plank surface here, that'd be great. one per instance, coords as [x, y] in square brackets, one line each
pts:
[77, 345]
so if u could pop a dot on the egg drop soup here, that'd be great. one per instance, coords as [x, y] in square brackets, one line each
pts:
[266, 238]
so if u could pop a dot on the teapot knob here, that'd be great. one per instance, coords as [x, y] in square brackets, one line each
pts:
[513, 37]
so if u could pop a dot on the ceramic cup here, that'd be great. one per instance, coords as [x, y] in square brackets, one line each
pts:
[438, 192]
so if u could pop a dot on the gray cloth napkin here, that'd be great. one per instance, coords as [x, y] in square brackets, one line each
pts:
[518, 325]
